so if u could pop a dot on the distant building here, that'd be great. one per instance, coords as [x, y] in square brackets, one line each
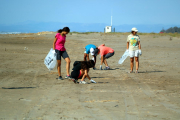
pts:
[108, 29]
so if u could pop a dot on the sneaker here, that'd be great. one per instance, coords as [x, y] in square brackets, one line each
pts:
[136, 71]
[74, 80]
[68, 77]
[92, 81]
[130, 72]
[94, 68]
[60, 78]
[107, 68]
[83, 82]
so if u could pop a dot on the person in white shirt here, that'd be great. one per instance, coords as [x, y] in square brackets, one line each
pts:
[134, 48]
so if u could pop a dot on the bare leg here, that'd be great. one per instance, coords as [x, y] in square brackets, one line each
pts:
[82, 73]
[137, 63]
[59, 67]
[105, 62]
[67, 65]
[85, 56]
[132, 63]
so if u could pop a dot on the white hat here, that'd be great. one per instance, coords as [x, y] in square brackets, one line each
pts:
[92, 51]
[134, 29]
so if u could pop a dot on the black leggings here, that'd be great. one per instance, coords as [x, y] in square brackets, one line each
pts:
[75, 74]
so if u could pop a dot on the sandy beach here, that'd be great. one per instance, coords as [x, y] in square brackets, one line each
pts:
[28, 91]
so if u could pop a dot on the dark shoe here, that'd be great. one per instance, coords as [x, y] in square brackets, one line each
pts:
[60, 78]
[107, 68]
[68, 77]
[75, 80]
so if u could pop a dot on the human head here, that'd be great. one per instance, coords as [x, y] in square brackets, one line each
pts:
[64, 31]
[87, 64]
[90, 63]
[134, 31]
[94, 51]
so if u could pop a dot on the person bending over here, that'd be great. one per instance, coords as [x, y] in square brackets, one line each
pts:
[94, 52]
[105, 52]
[80, 71]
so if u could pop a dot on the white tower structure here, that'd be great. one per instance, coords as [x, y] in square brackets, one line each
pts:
[109, 28]
[111, 20]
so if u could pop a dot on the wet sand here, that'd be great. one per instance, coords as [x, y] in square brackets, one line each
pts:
[28, 91]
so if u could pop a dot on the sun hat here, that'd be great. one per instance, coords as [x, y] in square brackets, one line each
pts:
[134, 29]
[94, 51]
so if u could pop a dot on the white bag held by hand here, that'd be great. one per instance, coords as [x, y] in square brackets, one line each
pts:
[125, 55]
[50, 60]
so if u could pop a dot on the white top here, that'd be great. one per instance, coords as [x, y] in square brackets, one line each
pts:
[133, 42]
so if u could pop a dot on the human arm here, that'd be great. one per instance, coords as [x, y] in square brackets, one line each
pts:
[85, 75]
[139, 44]
[127, 45]
[87, 57]
[55, 39]
[139, 48]
[102, 59]
[94, 59]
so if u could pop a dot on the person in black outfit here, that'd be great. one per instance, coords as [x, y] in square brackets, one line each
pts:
[80, 71]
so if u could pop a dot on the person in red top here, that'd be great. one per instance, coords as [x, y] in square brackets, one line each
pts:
[105, 52]
[58, 46]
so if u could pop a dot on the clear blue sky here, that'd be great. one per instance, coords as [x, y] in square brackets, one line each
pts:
[91, 11]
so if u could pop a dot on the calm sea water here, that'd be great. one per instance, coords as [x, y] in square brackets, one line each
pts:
[10, 32]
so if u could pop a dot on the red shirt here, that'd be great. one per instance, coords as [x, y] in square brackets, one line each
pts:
[59, 45]
[105, 50]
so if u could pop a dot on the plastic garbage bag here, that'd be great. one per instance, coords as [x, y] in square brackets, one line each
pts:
[124, 56]
[50, 60]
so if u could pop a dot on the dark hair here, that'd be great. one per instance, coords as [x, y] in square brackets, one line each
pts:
[87, 64]
[66, 29]
[133, 31]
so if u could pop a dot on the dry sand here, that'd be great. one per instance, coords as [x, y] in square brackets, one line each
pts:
[28, 91]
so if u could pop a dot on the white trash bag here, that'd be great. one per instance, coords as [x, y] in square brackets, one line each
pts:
[50, 60]
[124, 56]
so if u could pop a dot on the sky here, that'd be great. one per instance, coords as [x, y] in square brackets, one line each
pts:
[90, 11]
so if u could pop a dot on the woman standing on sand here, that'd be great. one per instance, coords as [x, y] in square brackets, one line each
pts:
[58, 46]
[134, 48]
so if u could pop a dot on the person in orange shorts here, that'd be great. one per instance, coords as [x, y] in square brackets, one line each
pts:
[105, 53]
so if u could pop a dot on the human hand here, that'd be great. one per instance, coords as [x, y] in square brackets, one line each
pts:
[53, 51]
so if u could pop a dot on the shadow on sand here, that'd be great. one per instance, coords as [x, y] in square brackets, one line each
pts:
[17, 87]
[150, 71]
[102, 82]
[97, 77]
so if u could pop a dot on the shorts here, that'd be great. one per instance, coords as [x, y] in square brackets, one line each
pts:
[76, 74]
[134, 53]
[61, 54]
[109, 55]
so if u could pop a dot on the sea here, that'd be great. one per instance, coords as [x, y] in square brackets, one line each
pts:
[10, 32]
